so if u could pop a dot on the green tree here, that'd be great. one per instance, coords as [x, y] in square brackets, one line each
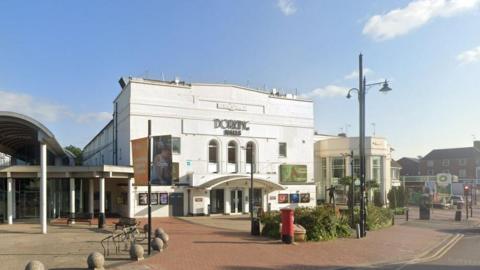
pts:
[77, 152]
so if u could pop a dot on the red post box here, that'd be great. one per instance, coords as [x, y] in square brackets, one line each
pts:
[287, 225]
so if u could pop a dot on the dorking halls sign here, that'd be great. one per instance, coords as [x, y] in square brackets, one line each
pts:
[293, 173]
[231, 127]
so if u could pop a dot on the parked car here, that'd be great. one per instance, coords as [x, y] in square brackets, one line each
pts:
[457, 199]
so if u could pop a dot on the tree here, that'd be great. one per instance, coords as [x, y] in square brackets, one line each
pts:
[77, 152]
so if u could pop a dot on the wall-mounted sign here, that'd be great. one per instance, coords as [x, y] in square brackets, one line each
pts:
[231, 106]
[231, 127]
[198, 199]
[293, 173]
[143, 199]
[163, 198]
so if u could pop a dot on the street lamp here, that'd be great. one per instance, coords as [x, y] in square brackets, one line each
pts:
[361, 91]
[250, 197]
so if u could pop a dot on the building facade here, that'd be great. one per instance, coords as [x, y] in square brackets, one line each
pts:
[462, 162]
[333, 162]
[219, 133]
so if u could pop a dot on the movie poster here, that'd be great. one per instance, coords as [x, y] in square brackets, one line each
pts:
[294, 198]
[305, 197]
[154, 199]
[163, 198]
[143, 198]
[162, 161]
[282, 198]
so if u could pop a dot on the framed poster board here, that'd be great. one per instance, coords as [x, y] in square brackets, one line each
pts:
[293, 173]
[294, 198]
[143, 199]
[163, 198]
[282, 198]
[305, 197]
[154, 198]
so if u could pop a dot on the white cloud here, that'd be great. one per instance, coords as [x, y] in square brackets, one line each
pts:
[400, 21]
[287, 7]
[44, 110]
[354, 74]
[469, 56]
[328, 91]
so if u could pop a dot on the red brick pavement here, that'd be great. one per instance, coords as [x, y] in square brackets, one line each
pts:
[199, 247]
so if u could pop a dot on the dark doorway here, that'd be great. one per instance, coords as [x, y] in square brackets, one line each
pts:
[176, 201]
[217, 201]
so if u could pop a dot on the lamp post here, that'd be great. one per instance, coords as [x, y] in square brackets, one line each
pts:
[250, 197]
[361, 91]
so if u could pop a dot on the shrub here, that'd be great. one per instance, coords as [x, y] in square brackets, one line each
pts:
[271, 224]
[400, 194]
[378, 218]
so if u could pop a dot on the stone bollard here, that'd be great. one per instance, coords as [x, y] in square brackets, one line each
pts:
[159, 231]
[145, 228]
[35, 265]
[157, 244]
[136, 252]
[165, 238]
[95, 261]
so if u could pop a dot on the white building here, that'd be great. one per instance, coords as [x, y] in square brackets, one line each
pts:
[332, 162]
[211, 127]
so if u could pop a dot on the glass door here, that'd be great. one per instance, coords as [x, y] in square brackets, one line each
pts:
[236, 201]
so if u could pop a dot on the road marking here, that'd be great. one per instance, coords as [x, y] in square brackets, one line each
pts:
[437, 255]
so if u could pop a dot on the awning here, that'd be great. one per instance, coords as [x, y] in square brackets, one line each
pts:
[231, 178]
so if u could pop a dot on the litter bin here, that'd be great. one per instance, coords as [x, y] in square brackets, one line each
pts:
[287, 225]
[255, 230]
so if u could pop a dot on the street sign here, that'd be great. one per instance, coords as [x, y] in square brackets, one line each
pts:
[396, 183]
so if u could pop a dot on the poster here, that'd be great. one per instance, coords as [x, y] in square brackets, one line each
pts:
[282, 198]
[294, 198]
[163, 198]
[305, 197]
[154, 198]
[140, 160]
[162, 161]
[143, 198]
[293, 173]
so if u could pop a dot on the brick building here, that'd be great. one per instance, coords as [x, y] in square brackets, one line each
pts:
[462, 162]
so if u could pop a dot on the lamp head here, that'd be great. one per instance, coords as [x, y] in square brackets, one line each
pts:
[348, 95]
[385, 88]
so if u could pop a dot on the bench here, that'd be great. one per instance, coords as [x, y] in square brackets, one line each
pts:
[124, 222]
[81, 217]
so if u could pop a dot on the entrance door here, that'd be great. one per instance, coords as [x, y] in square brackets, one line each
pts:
[216, 201]
[176, 201]
[257, 198]
[236, 201]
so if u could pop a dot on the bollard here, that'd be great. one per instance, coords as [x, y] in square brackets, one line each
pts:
[95, 261]
[358, 231]
[157, 244]
[35, 265]
[406, 215]
[393, 219]
[158, 232]
[136, 252]
[165, 238]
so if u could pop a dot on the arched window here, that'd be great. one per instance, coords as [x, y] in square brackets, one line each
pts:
[213, 151]
[250, 156]
[232, 152]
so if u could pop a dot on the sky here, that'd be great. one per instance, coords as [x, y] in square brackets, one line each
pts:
[60, 61]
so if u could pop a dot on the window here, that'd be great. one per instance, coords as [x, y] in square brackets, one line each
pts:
[282, 149]
[445, 162]
[462, 162]
[323, 176]
[250, 153]
[356, 167]
[446, 171]
[462, 173]
[213, 151]
[232, 152]
[376, 169]
[338, 167]
[430, 172]
[429, 163]
[176, 145]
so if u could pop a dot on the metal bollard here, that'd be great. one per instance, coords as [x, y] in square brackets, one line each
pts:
[358, 231]
[406, 214]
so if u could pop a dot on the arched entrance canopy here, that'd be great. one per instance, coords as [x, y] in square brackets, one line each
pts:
[221, 180]
[21, 136]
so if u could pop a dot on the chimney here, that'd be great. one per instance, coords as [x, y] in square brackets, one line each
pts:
[476, 144]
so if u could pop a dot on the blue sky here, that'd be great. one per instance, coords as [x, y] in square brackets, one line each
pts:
[61, 60]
